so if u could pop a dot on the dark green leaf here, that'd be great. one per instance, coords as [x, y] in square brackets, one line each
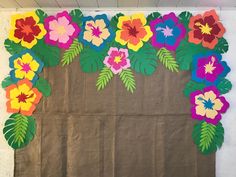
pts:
[77, 16]
[153, 16]
[43, 86]
[7, 82]
[222, 46]
[144, 61]
[127, 77]
[41, 14]
[12, 47]
[50, 55]
[19, 130]
[192, 86]
[224, 86]
[104, 77]
[184, 18]
[114, 20]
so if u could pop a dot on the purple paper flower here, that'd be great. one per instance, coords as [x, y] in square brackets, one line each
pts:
[208, 105]
[209, 68]
[61, 30]
[167, 32]
[117, 60]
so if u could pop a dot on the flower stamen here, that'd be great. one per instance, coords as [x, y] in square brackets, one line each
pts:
[209, 68]
[95, 30]
[205, 29]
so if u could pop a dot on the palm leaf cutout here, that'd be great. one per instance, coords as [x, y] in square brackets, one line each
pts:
[168, 60]
[19, 130]
[70, 54]
[104, 77]
[127, 77]
[208, 137]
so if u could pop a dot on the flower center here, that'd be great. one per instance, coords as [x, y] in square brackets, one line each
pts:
[208, 104]
[23, 97]
[117, 59]
[61, 30]
[205, 29]
[95, 30]
[166, 31]
[132, 30]
[209, 68]
[25, 66]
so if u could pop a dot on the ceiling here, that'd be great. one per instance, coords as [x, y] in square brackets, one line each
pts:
[115, 3]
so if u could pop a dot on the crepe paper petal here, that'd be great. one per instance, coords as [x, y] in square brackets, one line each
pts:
[192, 86]
[209, 68]
[41, 14]
[26, 29]
[133, 31]
[185, 53]
[114, 21]
[25, 65]
[168, 32]
[144, 61]
[208, 137]
[77, 16]
[222, 46]
[153, 16]
[61, 30]
[71, 53]
[19, 130]
[184, 18]
[12, 47]
[43, 86]
[7, 81]
[208, 105]
[206, 29]
[224, 86]
[96, 32]
[104, 77]
[22, 97]
[127, 77]
[166, 58]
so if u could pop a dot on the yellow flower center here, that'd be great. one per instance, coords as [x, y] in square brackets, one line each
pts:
[117, 59]
[205, 29]
[209, 68]
[61, 30]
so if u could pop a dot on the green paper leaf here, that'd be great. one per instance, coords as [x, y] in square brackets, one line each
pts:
[192, 86]
[208, 137]
[19, 130]
[50, 55]
[7, 82]
[114, 20]
[222, 46]
[153, 16]
[184, 18]
[12, 47]
[70, 54]
[144, 61]
[77, 16]
[185, 53]
[224, 86]
[41, 14]
[127, 77]
[43, 86]
[165, 56]
[91, 60]
[104, 77]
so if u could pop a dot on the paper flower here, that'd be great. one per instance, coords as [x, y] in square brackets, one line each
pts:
[209, 68]
[25, 65]
[133, 31]
[206, 29]
[208, 105]
[22, 98]
[96, 31]
[25, 28]
[167, 32]
[117, 60]
[61, 30]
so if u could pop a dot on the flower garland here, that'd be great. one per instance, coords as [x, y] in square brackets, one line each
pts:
[126, 44]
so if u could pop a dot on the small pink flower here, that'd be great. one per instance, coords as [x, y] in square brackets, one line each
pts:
[117, 60]
[61, 30]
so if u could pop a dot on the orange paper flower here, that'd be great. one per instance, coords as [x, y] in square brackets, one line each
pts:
[22, 98]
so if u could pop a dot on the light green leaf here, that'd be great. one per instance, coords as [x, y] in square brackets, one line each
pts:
[114, 20]
[43, 86]
[222, 46]
[224, 86]
[104, 77]
[153, 16]
[77, 16]
[70, 54]
[41, 14]
[12, 47]
[167, 60]
[192, 86]
[19, 130]
[127, 77]
[7, 82]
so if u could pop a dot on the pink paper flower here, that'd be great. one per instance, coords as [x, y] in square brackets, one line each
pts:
[117, 60]
[61, 30]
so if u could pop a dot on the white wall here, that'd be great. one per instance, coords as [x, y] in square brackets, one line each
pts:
[225, 158]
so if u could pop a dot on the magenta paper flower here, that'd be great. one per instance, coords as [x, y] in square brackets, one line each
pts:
[208, 105]
[117, 60]
[61, 30]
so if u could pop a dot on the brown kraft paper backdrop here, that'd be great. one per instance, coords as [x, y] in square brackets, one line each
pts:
[113, 133]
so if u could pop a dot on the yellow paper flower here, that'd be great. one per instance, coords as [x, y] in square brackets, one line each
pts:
[133, 31]
[26, 29]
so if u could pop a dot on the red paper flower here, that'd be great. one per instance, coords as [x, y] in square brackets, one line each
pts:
[206, 29]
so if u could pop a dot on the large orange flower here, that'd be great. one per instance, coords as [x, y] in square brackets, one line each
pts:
[133, 31]
[22, 97]
[206, 29]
